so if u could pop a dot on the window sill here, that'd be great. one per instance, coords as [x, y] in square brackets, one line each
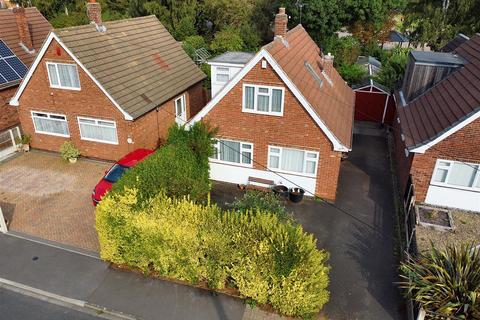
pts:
[275, 114]
[448, 186]
[99, 141]
[53, 134]
[298, 174]
[66, 88]
[236, 164]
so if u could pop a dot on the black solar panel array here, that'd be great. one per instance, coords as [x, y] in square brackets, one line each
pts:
[11, 68]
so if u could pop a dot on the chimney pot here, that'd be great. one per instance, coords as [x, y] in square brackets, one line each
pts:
[281, 21]
[23, 29]
[94, 12]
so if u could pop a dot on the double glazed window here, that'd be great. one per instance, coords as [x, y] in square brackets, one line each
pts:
[63, 76]
[233, 152]
[292, 160]
[263, 99]
[98, 130]
[223, 74]
[457, 174]
[180, 110]
[50, 123]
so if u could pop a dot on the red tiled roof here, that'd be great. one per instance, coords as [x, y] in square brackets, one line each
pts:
[334, 103]
[451, 101]
[39, 29]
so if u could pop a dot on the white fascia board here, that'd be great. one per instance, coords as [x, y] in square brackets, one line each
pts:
[459, 126]
[226, 64]
[263, 54]
[51, 36]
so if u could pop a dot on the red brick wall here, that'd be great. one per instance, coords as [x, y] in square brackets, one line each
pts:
[403, 163]
[294, 129]
[461, 146]
[8, 114]
[90, 101]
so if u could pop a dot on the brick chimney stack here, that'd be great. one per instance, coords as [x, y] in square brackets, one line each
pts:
[94, 12]
[23, 29]
[281, 21]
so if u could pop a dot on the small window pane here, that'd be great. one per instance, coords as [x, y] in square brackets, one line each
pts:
[105, 123]
[230, 151]
[43, 115]
[444, 163]
[276, 100]
[440, 175]
[52, 73]
[68, 76]
[311, 155]
[246, 157]
[246, 146]
[274, 150]
[52, 116]
[222, 70]
[462, 174]
[222, 77]
[87, 121]
[311, 167]
[262, 103]
[263, 90]
[249, 97]
[274, 161]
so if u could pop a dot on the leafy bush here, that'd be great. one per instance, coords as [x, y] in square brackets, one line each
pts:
[393, 69]
[346, 50]
[445, 281]
[267, 260]
[68, 150]
[228, 39]
[180, 168]
[255, 200]
[352, 73]
[23, 139]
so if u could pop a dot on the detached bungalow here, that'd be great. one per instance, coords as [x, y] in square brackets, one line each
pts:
[285, 116]
[438, 126]
[108, 87]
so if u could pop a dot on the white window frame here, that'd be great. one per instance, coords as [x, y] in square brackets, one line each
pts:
[438, 165]
[305, 159]
[59, 86]
[270, 94]
[224, 72]
[99, 125]
[242, 149]
[178, 119]
[50, 114]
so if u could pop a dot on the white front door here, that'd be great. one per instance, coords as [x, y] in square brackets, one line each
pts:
[7, 141]
[180, 110]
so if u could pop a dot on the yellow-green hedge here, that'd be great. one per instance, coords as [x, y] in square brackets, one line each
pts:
[268, 260]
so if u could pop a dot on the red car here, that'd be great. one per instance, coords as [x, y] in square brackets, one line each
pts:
[116, 171]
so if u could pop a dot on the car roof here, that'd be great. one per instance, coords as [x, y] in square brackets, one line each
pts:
[133, 157]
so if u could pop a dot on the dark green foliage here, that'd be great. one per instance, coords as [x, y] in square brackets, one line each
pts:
[256, 200]
[192, 43]
[73, 19]
[180, 168]
[228, 39]
[393, 69]
[445, 281]
[346, 50]
[352, 73]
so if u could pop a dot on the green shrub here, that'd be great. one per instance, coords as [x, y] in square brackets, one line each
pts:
[261, 201]
[180, 168]
[445, 281]
[228, 39]
[266, 259]
[68, 151]
[352, 73]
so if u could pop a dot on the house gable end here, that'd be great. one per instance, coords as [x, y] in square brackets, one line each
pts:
[40, 57]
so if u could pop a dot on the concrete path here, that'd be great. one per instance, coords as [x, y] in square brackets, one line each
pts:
[88, 279]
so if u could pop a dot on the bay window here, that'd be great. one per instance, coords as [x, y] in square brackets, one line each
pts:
[98, 130]
[233, 152]
[63, 76]
[292, 160]
[263, 99]
[457, 174]
[50, 123]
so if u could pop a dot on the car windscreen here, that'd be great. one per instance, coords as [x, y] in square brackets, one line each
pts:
[115, 173]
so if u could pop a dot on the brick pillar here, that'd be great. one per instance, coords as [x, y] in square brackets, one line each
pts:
[23, 29]
[94, 12]
[281, 21]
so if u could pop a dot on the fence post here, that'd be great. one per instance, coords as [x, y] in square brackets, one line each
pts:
[3, 225]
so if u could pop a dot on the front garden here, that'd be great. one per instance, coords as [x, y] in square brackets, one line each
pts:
[159, 220]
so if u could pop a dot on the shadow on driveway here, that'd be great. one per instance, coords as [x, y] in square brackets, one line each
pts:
[358, 231]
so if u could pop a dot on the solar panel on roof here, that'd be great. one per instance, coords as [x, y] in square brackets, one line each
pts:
[11, 68]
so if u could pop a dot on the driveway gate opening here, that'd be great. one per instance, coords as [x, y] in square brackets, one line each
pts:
[7, 141]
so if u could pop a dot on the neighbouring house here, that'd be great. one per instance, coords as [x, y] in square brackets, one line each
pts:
[22, 32]
[109, 87]
[285, 117]
[396, 40]
[373, 101]
[438, 127]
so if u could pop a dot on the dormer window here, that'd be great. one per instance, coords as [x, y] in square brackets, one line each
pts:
[63, 76]
[223, 74]
[263, 99]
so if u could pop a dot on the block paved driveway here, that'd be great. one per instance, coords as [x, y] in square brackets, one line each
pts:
[44, 196]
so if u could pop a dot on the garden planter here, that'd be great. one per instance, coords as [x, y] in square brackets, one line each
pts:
[296, 194]
[280, 190]
[26, 147]
[72, 160]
